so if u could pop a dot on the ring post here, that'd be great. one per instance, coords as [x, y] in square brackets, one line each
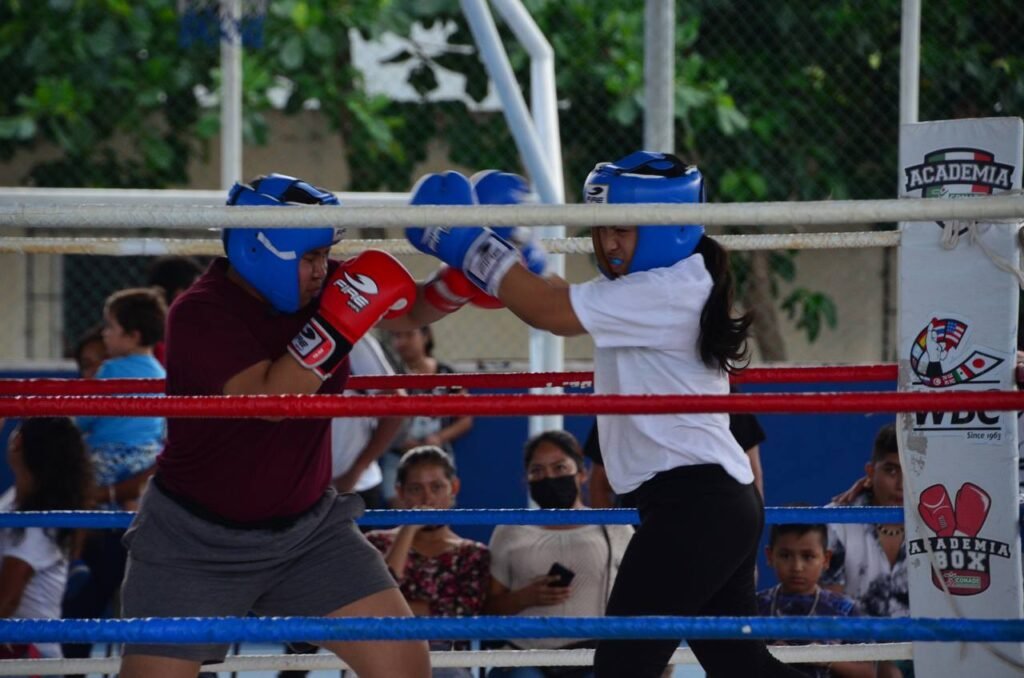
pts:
[957, 330]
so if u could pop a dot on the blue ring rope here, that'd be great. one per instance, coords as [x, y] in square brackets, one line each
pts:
[279, 629]
[773, 516]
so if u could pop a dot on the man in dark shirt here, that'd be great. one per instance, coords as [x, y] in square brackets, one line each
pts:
[241, 516]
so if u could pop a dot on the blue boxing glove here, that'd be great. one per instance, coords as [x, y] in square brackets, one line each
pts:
[503, 188]
[484, 257]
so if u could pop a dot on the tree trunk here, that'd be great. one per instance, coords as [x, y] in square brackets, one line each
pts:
[757, 298]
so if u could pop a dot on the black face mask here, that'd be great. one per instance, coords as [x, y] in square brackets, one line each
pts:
[554, 493]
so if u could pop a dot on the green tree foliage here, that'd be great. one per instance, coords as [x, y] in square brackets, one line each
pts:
[103, 81]
[778, 100]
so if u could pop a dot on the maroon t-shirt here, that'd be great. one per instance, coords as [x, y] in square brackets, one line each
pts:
[245, 470]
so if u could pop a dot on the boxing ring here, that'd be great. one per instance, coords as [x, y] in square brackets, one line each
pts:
[890, 638]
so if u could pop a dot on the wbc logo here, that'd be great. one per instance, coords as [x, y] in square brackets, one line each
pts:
[962, 559]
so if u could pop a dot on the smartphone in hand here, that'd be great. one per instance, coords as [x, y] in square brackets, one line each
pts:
[563, 573]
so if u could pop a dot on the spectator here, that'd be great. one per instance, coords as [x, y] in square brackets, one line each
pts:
[439, 572]
[173, 274]
[415, 348]
[124, 448]
[51, 473]
[358, 442]
[90, 352]
[869, 562]
[123, 451]
[522, 556]
[799, 554]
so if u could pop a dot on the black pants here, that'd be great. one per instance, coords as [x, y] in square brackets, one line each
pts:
[105, 556]
[693, 555]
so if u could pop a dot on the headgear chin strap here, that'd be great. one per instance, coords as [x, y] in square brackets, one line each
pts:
[268, 259]
[647, 177]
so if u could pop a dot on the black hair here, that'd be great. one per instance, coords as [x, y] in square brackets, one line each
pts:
[425, 454]
[428, 348]
[54, 453]
[885, 443]
[92, 335]
[139, 309]
[723, 336]
[563, 440]
[172, 273]
[799, 529]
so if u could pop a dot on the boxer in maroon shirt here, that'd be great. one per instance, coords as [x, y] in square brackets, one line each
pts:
[240, 517]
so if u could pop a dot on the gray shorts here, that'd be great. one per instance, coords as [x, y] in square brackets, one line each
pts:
[180, 565]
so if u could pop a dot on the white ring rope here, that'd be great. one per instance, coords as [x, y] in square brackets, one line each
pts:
[324, 661]
[988, 208]
[212, 247]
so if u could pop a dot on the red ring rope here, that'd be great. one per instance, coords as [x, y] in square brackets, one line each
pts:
[753, 375]
[507, 405]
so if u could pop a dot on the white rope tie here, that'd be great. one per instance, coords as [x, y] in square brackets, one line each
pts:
[953, 230]
[327, 662]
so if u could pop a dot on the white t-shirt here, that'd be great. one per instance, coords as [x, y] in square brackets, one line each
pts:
[349, 435]
[44, 591]
[521, 553]
[645, 328]
[860, 566]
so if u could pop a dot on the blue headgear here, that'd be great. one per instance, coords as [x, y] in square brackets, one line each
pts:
[268, 259]
[646, 177]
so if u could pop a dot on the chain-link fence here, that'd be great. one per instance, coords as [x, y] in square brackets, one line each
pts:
[786, 100]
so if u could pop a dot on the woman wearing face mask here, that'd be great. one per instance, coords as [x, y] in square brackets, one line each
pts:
[522, 556]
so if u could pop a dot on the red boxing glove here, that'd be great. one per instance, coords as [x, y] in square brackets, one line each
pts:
[449, 289]
[936, 510]
[361, 291]
[972, 507]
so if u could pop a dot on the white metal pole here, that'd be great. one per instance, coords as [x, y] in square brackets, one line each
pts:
[543, 99]
[659, 75]
[547, 351]
[532, 137]
[231, 96]
[481, 24]
[910, 60]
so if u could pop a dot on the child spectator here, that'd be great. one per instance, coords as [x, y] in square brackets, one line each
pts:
[51, 473]
[439, 572]
[126, 447]
[522, 556]
[869, 562]
[799, 554]
[123, 450]
[90, 352]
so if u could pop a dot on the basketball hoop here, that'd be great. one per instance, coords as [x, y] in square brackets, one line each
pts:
[210, 22]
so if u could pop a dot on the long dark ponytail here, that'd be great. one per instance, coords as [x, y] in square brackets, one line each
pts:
[723, 336]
